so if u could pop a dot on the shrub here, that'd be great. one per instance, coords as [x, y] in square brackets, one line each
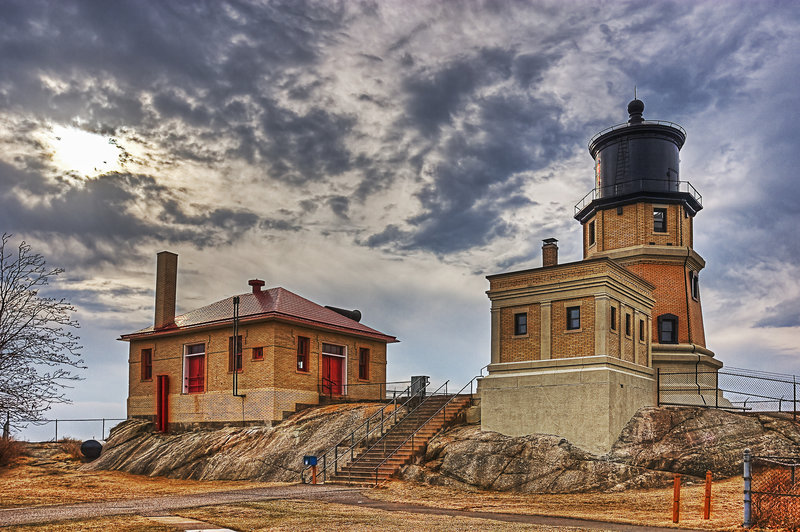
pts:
[10, 449]
[72, 447]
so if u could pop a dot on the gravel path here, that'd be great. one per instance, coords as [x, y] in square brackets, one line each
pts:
[160, 506]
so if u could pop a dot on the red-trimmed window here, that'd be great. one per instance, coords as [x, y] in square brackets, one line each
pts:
[303, 347]
[363, 363]
[147, 364]
[194, 368]
[235, 355]
[258, 353]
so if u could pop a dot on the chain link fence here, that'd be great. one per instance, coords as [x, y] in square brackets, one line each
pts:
[772, 495]
[732, 389]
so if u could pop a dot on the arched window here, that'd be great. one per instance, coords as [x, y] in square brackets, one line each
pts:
[668, 329]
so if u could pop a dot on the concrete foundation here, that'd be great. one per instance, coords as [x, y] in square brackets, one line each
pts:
[587, 400]
[687, 375]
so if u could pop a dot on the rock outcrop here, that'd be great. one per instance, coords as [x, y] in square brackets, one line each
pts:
[656, 443]
[231, 453]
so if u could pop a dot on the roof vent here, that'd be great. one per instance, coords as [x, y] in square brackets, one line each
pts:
[256, 284]
[354, 315]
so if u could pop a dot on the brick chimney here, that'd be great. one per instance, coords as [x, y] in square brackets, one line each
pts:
[166, 282]
[549, 252]
[256, 284]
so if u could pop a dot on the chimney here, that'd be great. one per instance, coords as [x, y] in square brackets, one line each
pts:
[549, 252]
[166, 281]
[256, 284]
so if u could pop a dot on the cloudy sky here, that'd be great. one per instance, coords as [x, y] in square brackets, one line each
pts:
[385, 156]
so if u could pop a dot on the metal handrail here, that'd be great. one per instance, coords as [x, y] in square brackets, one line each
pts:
[643, 123]
[638, 185]
[393, 427]
[444, 416]
[353, 444]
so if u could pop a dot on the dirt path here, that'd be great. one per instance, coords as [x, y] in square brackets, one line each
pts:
[334, 494]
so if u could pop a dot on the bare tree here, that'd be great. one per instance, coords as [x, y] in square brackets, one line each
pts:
[38, 350]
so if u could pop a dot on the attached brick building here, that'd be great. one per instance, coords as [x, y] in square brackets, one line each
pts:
[576, 346]
[187, 370]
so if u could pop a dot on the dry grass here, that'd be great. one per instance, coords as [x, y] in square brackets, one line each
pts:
[71, 447]
[651, 507]
[119, 523]
[10, 451]
[294, 515]
[51, 476]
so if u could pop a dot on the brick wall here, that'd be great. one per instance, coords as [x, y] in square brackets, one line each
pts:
[572, 343]
[634, 227]
[525, 347]
[671, 298]
[275, 379]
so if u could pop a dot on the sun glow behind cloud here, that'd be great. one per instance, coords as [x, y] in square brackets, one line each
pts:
[81, 153]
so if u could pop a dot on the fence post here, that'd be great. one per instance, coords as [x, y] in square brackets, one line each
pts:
[56, 431]
[103, 430]
[707, 498]
[794, 398]
[748, 519]
[658, 386]
[716, 389]
[7, 426]
[676, 498]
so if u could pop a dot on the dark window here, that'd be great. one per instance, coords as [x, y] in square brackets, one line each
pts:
[258, 353]
[591, 233]
[147, 364]
[330, 349]
[573, 318]
[641, 330]
[363, 363]
[668, 329]
[613, 318]
[520, 323]
[235, 355]
[659, 220]
[303, 345]
[694, 283]
[627, 324]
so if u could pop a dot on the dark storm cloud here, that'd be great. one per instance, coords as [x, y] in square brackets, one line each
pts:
[476, 183]
[433, 98]
[99, 213]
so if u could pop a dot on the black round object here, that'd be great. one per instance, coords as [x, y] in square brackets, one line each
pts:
[636, 106]
[91, 449]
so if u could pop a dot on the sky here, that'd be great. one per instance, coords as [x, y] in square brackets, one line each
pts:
[385, 156]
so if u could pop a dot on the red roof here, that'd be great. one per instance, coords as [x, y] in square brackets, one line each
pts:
[277, 303]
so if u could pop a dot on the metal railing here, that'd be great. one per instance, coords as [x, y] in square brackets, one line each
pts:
[325, 387]
[638, 185]
[730, 389]
[442, 409]
[642, 123]
[378, 423]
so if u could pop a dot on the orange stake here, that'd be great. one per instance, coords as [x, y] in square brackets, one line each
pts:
[676, 499]
[707, 501]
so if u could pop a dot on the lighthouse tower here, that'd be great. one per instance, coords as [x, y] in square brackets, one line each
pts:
[578, 347]
[641, 215]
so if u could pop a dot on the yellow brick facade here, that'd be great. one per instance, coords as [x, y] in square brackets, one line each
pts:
[544, 295]
[271, 385]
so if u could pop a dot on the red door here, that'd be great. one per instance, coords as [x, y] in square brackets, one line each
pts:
[162, 403]
[332, 375]
[196, 374]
